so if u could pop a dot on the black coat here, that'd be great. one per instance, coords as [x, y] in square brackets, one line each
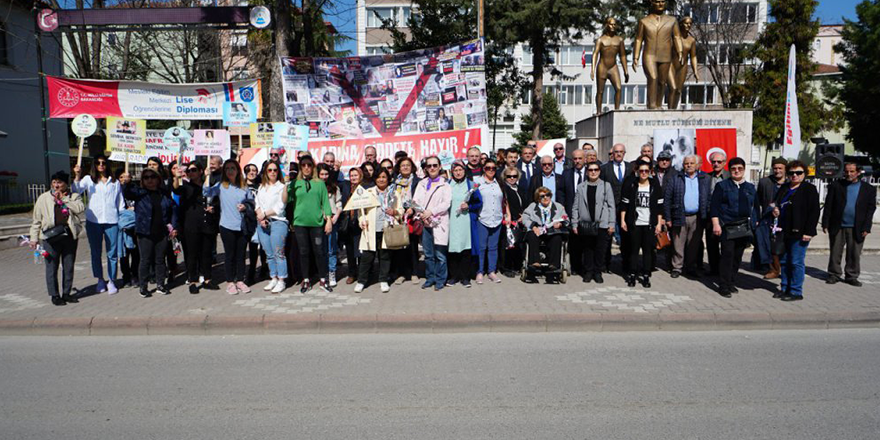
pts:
[609, 175]
[192, 210]
[629, 194]
[516, 202]
[568, 178]
[803, 211]
[835, 202]
[537, 182]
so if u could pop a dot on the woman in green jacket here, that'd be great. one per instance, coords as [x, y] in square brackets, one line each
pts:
[311, 221]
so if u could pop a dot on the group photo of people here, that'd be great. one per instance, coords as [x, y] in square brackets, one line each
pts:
[509, 217]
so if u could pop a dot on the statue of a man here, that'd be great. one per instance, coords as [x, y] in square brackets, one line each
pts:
[679, 65]
[608, 47]
[659, 33]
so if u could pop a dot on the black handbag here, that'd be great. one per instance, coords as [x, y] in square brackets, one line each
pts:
[57, 233]
[737, 229]
[588, 228]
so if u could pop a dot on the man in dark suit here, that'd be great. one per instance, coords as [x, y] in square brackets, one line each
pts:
[571, 180]
[528, 166]
[560, 162]
[549, 179]
[847, 217]
[615, 172]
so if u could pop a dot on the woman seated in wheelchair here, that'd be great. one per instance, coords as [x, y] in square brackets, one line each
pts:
[546, 223]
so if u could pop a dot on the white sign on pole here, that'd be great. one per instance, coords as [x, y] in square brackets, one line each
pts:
[791, 144]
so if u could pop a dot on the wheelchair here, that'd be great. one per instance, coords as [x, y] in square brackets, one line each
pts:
[560, 271]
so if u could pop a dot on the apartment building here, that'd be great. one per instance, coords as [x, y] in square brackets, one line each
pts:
[576, 97]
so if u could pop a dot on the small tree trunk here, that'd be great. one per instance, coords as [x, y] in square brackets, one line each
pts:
[538, 85]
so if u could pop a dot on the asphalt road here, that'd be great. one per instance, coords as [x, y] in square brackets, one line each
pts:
[715, 385]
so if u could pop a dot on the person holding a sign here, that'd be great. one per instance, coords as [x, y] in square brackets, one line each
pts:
[233, 194]
[312, 221]
[405, 261]
[102, 218]
[272, 232]
[434, 197]
[372, 244]
[156, 216]
[200, 220]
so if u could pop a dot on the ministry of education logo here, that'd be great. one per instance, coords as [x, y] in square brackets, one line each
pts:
[246, 93]
[68, 97]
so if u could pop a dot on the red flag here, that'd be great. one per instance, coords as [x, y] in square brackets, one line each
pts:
[584, 58]
[711, 140]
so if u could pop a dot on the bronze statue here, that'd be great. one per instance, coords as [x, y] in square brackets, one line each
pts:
[659, 33]
[608, 47]
[679, 68]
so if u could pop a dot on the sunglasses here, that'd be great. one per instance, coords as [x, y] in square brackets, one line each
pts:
[489, 168]
[545, 196]
[546, 164]
[796, 173]
[150, 177]
[100, 162]
[274, 154]
[717, 161]
[272, 170]
[510, 176]
[432, 165]
[558, 149]
[310, 165]
[192, 170]
[644, 171]
[593, 170]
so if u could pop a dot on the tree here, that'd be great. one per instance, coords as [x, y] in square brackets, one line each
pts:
[857, 89]
[544, 25]
[792, 24]
[554, 124]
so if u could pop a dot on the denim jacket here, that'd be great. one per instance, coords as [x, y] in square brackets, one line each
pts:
[726, 202]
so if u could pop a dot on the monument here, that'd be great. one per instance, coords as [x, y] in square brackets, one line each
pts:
[658, 33]
[608, 48]
[679, 64]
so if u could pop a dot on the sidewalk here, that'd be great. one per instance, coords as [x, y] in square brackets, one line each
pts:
[671, 304]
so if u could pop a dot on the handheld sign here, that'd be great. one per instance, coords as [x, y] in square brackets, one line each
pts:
[361, 199]
[83, 126]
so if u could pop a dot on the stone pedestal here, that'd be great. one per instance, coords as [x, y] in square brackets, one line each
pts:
[634, 128]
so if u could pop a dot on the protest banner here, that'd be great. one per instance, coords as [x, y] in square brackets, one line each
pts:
[262, 134]
[425, 94]
[145, 100]
[83, 126]
[126, 137]
[212, 143]
[290, 137]
[166, 148]
[239, 114]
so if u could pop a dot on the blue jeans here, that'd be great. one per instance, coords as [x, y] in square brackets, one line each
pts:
[99, 233]
[792, 262]
[435, 259]
[331, 248]
[487, 243]
[272, 240]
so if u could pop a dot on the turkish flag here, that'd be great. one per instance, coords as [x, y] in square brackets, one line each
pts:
[711, 140]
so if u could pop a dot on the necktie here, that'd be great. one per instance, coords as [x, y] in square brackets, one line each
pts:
[619, 172]
[579, 179]
[528, 171]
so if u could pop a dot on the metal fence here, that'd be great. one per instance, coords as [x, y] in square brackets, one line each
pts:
[13, 194]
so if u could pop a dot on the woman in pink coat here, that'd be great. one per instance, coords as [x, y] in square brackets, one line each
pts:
[433, 196]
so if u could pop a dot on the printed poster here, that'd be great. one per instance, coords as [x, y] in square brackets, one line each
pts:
[290, 137]
[680, 142]
[212, 143]
[239, 114]
[167, 149]
[126, 136]
[262, 134]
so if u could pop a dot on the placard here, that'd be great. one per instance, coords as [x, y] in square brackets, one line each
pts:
[212, 143]
[239, 114]
[361, 199]
[291, 137]
[262, 134]
[84, 125]
[126, 136]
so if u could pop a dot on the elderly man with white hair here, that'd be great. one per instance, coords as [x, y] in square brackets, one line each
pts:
[686, 206]
[718, 160]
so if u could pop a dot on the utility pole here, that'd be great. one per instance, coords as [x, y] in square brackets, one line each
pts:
[43, 116]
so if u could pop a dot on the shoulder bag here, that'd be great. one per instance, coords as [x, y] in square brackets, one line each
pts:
[57, 233]
[736, 229]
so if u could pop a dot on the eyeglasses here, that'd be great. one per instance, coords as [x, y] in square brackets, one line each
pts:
[432, 165]
[310, 165]
[510, 176]
[644, 171]
[717, 161]
[545, 196]
[546, 164]
[737, 168]
[558, 149]
[593, 170]
[663, 158]
[796, 173]
[272, 170]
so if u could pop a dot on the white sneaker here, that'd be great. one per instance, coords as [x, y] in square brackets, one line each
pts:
[271, 284]
[332, 276]
[384, 287]
[201, 280]
[358, 288]
[279, 287]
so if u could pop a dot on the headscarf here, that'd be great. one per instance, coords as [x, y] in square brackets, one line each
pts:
[457, 163]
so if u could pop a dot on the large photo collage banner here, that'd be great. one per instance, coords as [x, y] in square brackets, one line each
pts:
[428, 97]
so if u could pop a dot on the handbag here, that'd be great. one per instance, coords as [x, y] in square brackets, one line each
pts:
[396, 236]
[415, 227]
[737, 229]
[663, 240]
[57, 233]
[588, 228]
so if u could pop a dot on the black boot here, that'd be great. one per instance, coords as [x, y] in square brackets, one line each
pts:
[646, 281]
[631, 280]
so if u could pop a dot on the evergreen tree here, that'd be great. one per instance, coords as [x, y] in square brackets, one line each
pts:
[792, 24]
[858, 91]
[554, 124]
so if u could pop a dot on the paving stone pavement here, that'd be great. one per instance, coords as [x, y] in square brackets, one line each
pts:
[510, 304]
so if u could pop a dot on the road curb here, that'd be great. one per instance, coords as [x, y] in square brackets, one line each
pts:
[437, 323]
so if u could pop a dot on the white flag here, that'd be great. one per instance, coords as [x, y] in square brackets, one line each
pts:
[791, 144]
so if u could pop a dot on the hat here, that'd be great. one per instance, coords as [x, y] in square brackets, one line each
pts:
[665, 154]
[62, 176]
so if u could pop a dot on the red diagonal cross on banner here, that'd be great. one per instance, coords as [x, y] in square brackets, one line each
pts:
[358, 99]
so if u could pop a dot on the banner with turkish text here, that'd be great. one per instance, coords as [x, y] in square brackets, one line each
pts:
[145, 100]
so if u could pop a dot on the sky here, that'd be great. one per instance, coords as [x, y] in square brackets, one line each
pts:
[345, 18]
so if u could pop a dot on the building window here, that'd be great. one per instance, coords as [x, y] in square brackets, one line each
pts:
[571, 55]
[4, 49]
[527, 56]
[734, 12]
[378, 50]
[239, 44]
[376, 15]
[526, 97]
[239, 73]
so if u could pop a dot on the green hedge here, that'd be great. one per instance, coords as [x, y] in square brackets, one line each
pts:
[16, 208]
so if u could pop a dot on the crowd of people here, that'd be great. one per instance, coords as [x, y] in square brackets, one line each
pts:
[474, 221]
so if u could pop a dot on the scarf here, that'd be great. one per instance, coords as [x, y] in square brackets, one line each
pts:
[430, 181]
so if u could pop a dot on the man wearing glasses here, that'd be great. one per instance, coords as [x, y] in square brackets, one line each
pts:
[548, 179]
[560, 163]
[713, 244]
[572, 179]
[686, 205]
